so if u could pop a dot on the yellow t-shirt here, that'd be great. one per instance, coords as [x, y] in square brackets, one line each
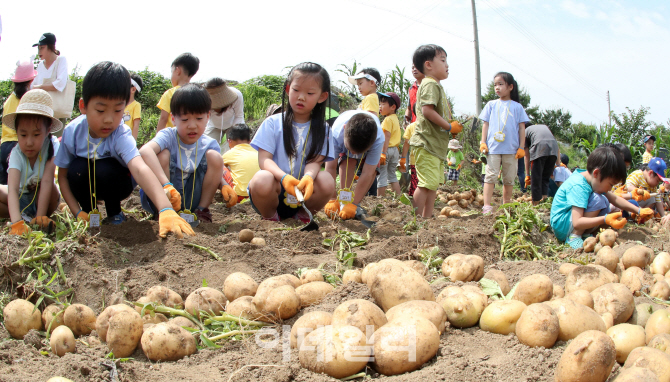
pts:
[164, 103]
[132, 112]
[370, 103]
[646, 157]
[408, 134]
[392, 125]
[637, 180]
[9, 134]
[243, 163]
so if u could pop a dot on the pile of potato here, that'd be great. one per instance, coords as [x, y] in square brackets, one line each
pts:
[525, 198]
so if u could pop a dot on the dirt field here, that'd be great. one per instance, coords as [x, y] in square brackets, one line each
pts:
[121, 263]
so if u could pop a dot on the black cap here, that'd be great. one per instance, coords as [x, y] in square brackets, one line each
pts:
[648, 137]
[46, 39]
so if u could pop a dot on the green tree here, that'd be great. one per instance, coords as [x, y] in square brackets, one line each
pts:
[632, 125]
[490, 95]
[558, 121]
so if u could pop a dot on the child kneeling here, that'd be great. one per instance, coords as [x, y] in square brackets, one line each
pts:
[581, 204]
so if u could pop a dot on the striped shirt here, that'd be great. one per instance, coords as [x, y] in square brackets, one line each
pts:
[636, 179]
[646, 157]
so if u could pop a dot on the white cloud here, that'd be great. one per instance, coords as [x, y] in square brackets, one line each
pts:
[578, 9]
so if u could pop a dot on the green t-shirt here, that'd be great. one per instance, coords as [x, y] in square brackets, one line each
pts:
[428, 135]
[456, 158]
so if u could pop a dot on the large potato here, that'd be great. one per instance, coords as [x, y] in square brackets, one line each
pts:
[608, 237]
[124, 333]
[102, 322]
[62, 341]
[294, 280]
[338, 351]
[313, 292]
[566, 268]
[634, 279]
[310, 275]
[589, 244]
[282, 303]
[21, 316]
[626, 337]
[574, 318]
[636, 374]
[660, 342]
[372, 273]
[533, 289]
[207, 300]
[581, 296]
[164, 296]
[267, 286]
[537, 326]
[658, 322]
[52, 313]
[239, 284]
[418, 266]
[463, 309]
[501, 316]
[615, 299]
[449, 291]
[499, 277]
[80, 319]
[362, 314]
[653, 359]
[352, 276]
[638, 256]
[429, 310]
[661, 264]
[607, 258]
[589, 357]
[167, 342]
[398, 340]
[464, 268]
[366, 271]
[588, 278]
[392, 284]
[660, 290]
[641, 314]
[244, 307]
[306, 324]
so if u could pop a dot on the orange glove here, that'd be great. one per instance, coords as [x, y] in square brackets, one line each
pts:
[382, 160]
[527, 181]
[81, 215]
[332, 208]
[563, 165]
[483, 148]
[645, 214]
[229, 196]
[306, 186]
[43, 221]
[661, 188]
[520, 153]
[475, 161]
[355, 177]
[449, 163]
[169, 221]
[173, 196]
[456, 127]
[19, 228]
[621, 191]
[615, 220]
[459, 166]
[348, 211]
[402, 162]
[289, 183]
[640, 195]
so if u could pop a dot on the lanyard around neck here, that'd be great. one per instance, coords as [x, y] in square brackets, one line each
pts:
[195, 166]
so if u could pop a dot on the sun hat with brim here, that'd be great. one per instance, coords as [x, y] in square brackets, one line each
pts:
[658, 166]
[454, 144]
[35, 102]
[25, 71]
[273, 109]
[352, 79]
[221, 96]
[393, 96]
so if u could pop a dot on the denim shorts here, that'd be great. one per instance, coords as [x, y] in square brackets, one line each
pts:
[187, 190]
[28, 201]
[284, 209]
[598, 202]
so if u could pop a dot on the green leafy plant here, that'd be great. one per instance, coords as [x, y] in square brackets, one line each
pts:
[429, 257]
[492, 289]
[347, 241]
[514, 227]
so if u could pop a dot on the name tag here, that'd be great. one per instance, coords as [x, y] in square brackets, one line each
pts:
[94, 220]
[346, 196]
[499, 136]
[188, 217]
[291, 199]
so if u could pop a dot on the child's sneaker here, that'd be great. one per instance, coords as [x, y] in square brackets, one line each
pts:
[116, 219]
[575, 242]
[487, 210]
[203, 215]
[302, 216]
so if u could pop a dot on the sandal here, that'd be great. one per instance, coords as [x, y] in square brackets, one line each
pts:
[575, 242]
[487, 210]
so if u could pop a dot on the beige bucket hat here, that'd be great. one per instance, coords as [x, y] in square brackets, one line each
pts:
[37, 102]
[454, 144]
[221, 96]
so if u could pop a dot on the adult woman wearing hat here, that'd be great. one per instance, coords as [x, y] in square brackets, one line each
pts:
[228, 107]
[52, 71]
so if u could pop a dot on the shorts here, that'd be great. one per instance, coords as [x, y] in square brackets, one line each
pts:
[190, 190]
[387, 173]
[598, 202]
[429, 169]
[28, 204]
[284, 209]
[509, 167]
[5, 149]
[414, 181]
[453, 174]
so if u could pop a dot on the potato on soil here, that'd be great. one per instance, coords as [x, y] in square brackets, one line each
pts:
[445, 211]
[616, 299]
[459, 267]
[80, 319]
[653, 359]
[246, 235]
[362, 314]
[537, 326]
[313, 293]
[607, 258]
[395, 283]
[391, 342]
[533, 289]
[366, 271]
[499, 277]
[626, 337]
[167, 342]
[124, 333]
[658, 323]
[638, 256]
[558, 292]
[310, 275]
[589, 244]
[589, 357]
[267, 286]
[453, 203]
[239, 284]
[455, 214]
[259, 241]
[429, 310]
[62, 341]
[205, 299]
[581, 296]
[352, 276]
[463, 203]
[102, 322]
[634, 279]
[183, 321]
[21, 316]
[588, 278]
[346, 347]
[608, 237]
[660, 342]
[293, 280]
[306, 324]
[53, 313]
[164, 296]
[641, 314]
[417, 266]
[501, 316]
[566, 268]
[574, 318]
[661, 264]
[660, 290]
[597, 248]
[282, 303]
[636, 374]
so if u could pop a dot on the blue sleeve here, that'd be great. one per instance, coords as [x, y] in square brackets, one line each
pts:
[578, 196]
[485, 115]
[265, 136]
[15, 159]
[338, 141]
[375, 152]
[125, 145]
[520, 115]
[165, 139]
[66, 152]
[328, 149]
[213, 146]
[55, 144]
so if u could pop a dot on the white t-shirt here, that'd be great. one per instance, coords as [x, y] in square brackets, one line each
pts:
[373, 153]
[167, 139]
[61, 76]
[504, 118]
[31, 176]
[561, 174]
[229, 118]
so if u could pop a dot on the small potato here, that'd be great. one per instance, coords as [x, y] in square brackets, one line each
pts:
[313, 293]
[395, 283]
[164, 296]
[452, 203]
[362, 314]
[62, 341]
[167, 342]
[463, 203]
[636, 374]
[345, 346]
[588, 278]
[244, 307]
[566, 268]
[616, 299]
[124, 333]
[246, 235]
[445, 211]
[660, 290]
[660, 342]
[455, 214]
[365, 272]
[259, 241]
[558, 292]
[282, 303]
[661, 264]
[239, 284]
[626, 337]
[633, 278]
[501, 316]
[658, 323]
[306, 324]
[391, 342]
[653, 359]
[417, 266]
[608, 237]
[638, 256]
[589, 357]
[574, 318]
[352, 276]
[429, 310]
[581, 296]
[533, 289]
[641, 314]
[205, 299]
[607, 258]
[80, 319]
[310, 275]
[537, 326]
[589, 244]
[21, 316]
[53, 313]
[102, 322]
[464, 268]
[597, 248]
[499, 277]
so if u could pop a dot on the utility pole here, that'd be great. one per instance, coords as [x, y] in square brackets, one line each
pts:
[478, 79]
[609, 109]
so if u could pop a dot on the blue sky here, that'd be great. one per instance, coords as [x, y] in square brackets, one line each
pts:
[567, 53]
